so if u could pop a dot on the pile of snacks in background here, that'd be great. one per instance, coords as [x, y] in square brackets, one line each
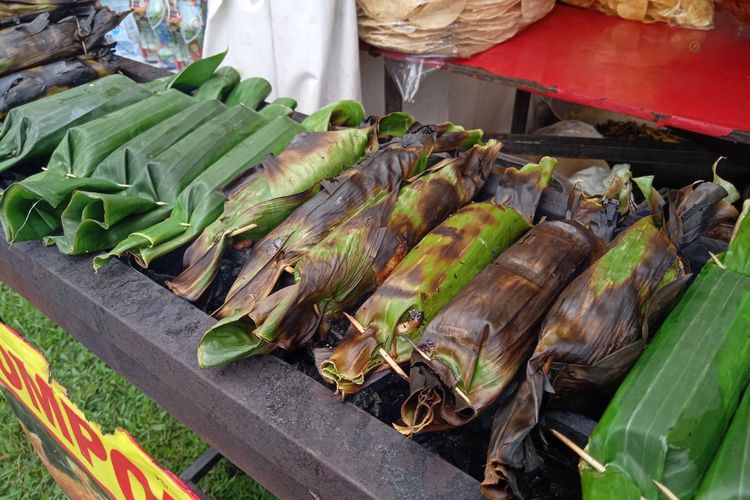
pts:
[457, 28]
[684, 13]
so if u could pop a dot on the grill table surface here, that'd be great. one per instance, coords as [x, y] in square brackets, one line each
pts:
[274, 422]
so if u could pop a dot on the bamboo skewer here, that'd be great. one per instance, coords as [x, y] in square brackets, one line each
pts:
[579, 451]
[601, 468]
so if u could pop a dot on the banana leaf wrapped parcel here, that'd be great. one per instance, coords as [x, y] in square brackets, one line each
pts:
[270, 189]
[40, 40]
[727, 476]
[670, 415]
[351, 260]
[470, 358]
[29, 84]
[33, 130]
[94, 221]
[600, 323]
[30, 209]
[201, 202]
[338, 200]
[430, 275]
[252, 206]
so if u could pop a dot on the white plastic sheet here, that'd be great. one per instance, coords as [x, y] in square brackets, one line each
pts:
[307, 49]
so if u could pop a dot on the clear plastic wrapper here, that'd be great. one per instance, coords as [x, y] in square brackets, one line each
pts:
[697, 14]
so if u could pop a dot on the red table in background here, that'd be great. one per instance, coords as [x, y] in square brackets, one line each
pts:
[690, 79]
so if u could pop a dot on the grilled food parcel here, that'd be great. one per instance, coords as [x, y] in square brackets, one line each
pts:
[30, 209]
[33, 130]
[95, 221]
[270, 188]
[393, 318]
[42, 40]
[248, 214]
[112, 155]
[600, 323]
[29, 84]
[473, 348]
[15, 12]
[358, 254]
[340, 198]
[668, 420]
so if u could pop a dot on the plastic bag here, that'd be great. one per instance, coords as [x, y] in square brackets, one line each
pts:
[457, 28]
[697, 14]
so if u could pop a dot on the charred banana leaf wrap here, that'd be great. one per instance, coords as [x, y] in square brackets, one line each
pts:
[42, 40]
[600, 323]
[260, 200]
[395, 316]
[472, 349]
[358, 254]
[32, 83]
[668, 420]
[338, 200]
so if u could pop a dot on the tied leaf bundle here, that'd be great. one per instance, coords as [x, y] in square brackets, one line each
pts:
[33, 130]
[339, 199]
[32, 83]
[98, 221]
[670, 415]
[40, 41]
[351, 260]
[600, 323]
[201, 203]
[473, 348]
[31, 208]
[430, 276]
[252, 206]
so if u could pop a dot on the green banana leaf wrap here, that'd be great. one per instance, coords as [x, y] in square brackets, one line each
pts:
[29, 84]
[31, 209]
[201, 203]
[252, 92]
[310, 159]
[670, 415]
[98, 221]
[338, 200]
[219, 85]
[727, 476]
[33, 130]
[40, 40]
[600, 323]
[440, 265]
[351, 260]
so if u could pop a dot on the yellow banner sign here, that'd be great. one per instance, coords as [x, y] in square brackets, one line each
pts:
[86, 463]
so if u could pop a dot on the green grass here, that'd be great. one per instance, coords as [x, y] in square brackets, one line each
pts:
[107, 399]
